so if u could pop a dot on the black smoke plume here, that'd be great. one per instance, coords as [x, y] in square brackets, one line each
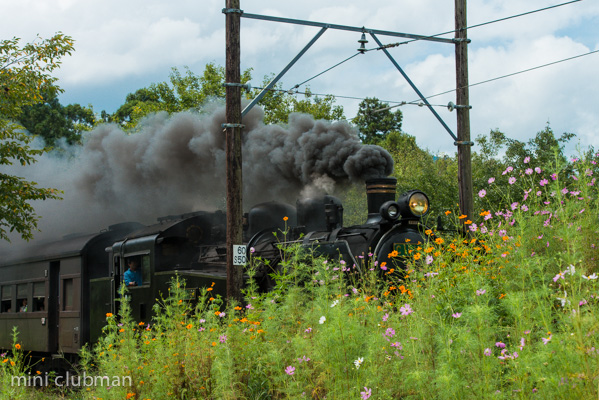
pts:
[176, 164]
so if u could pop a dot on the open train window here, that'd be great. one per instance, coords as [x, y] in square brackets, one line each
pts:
[39, 296]
[22, 298]
[6, 305]
[138, 270]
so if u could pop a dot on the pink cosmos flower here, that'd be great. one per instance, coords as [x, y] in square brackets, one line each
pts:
[290, 370]
[482, 193]
[406, 310]
[456, 315]
[366, 393]
[512, 180]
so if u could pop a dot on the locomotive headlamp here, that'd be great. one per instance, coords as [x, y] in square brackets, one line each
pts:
[413, 204]
[390, 211]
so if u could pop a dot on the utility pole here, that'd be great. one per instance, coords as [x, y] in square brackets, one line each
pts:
[233, 147]
[463, 112]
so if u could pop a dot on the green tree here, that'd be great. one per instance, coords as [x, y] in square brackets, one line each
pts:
[278, 104]
[24, 71]
[51, 120]
[375, 122]
[190, 91]
[183, 92]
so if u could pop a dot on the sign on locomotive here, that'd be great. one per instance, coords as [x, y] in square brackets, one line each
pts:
[57, 294]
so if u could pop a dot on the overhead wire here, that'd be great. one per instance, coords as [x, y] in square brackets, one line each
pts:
[419, 103]
[476, 25]
[431, 36]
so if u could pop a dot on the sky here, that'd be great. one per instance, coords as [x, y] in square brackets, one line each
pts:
[121, 46]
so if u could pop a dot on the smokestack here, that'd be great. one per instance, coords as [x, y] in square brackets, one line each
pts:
[379, 191]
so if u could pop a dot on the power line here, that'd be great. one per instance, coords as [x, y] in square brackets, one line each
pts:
[418, 103]
[517, 73]
[438, 34]
[478, 25]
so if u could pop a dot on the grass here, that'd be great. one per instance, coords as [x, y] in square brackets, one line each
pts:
[509, 311]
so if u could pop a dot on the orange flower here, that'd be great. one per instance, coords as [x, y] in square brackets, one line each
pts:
[417, 256]
[108, 315]
[468, 222]
[447, 212]
[238, 308]
[18, 346]
[214, 343]
[502, 296]
[428, 231]
[285, 218]
[189, 326]
[141, 323]
[439, 240]
[209, 289]
[462, 216]
[129, 395]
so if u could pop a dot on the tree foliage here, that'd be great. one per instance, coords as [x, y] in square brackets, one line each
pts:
[189, 91]
[375, 122]
[52, 121]
[24, 71]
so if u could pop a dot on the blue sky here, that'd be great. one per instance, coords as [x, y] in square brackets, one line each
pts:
[123, 46]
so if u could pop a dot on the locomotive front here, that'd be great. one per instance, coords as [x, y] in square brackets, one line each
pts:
[392, 227]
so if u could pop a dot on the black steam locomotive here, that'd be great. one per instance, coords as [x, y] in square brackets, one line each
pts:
[58, 294]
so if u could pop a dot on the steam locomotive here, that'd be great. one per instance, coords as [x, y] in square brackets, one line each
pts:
[57, 294]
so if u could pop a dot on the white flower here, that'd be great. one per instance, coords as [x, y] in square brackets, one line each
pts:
[570, 270]
[592, 277]
[334, 303]
[359, 362]
[322, 320]
[565, 299]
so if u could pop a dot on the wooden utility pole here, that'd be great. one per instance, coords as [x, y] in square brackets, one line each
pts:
[463, 113]
[233, 148]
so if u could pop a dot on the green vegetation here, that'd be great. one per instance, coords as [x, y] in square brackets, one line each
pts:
[25, 72]
[509, 312]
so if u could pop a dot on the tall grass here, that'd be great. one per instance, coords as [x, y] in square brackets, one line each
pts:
[507, 312]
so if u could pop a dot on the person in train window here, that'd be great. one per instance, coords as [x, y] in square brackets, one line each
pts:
[133, 275]
[23, 306]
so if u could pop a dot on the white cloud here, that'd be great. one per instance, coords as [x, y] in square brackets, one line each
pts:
[122, 41]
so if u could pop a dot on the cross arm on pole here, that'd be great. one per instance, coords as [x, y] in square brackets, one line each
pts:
[346, 28]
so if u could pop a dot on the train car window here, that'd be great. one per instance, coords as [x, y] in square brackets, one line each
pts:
[6, 305]
[22, 298]
[67, 299]
[39, 296]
